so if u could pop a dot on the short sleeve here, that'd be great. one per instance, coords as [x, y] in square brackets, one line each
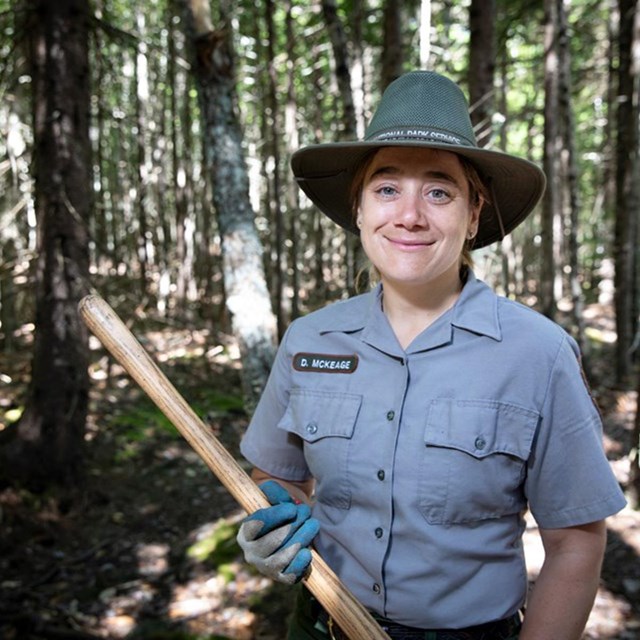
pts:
[569, 479]
[274, 450]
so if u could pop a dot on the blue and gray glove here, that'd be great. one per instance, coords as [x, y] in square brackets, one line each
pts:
[276, 539]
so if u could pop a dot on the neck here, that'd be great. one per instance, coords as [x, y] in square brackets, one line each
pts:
[410, 310]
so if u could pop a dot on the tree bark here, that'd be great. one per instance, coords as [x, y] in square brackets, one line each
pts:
[349, 125]
[392, 52]
[292, 144]
[425, 33]
[338, 37]
[551, 198]
[46, 446]
[482, 55]
[247, 297]
[633, 203]
[570, 177]
[142, 176]
[626, 226]
[273, 149]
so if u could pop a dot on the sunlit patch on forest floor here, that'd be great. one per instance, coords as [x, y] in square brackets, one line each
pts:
[145, 548]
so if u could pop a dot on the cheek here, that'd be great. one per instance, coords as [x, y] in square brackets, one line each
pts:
[370, 217]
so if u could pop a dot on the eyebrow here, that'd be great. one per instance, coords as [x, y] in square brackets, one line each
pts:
[436, 175]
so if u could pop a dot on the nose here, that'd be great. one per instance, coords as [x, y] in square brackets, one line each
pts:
[411, 212]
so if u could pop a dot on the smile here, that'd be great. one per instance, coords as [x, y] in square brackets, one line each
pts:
[410, 244]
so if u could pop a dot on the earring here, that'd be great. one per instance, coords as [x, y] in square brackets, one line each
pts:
[358, 222]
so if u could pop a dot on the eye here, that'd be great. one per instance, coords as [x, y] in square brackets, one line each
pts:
[439, 195]
[386, 191]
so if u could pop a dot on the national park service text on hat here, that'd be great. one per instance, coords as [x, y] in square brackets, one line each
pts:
[422, 109]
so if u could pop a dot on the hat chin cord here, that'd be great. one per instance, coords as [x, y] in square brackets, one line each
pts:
[496, 208]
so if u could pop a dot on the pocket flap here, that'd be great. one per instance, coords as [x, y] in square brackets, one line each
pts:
[481, 427]
[314, 414]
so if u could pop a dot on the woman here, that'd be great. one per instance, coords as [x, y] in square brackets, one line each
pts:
[422, 419]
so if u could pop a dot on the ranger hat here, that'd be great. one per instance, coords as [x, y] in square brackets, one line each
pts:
[422, 109]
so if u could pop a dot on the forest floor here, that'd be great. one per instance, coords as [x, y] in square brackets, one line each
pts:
[145, 548]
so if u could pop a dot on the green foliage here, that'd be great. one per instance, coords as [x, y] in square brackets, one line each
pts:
[143, 420]
[139, 421]
[147, 147]
[218, 548]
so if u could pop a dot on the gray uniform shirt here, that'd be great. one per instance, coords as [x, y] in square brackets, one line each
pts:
[425, 459]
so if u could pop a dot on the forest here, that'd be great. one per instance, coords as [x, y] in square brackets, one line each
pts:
[144, 158]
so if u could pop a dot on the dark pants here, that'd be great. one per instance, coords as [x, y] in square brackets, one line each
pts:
[309, 622]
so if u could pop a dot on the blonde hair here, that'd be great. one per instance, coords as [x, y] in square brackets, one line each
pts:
[478, 196]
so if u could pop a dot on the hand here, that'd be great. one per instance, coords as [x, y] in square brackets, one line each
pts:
[276, 539]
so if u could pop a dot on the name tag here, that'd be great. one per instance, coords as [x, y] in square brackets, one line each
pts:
[325, 363]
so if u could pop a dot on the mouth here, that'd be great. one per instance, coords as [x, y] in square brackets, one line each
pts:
[410, 244]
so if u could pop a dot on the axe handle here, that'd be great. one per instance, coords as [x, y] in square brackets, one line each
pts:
[102, 320]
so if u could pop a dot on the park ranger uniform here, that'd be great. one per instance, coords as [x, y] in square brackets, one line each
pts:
[426, 459]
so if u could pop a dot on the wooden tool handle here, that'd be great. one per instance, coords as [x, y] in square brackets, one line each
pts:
[102, 320]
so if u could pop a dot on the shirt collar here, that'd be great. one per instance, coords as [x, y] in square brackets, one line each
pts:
[353, 314]
[476, 310]
[349, 315]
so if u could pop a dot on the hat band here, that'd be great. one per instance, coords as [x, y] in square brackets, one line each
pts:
[420, 134]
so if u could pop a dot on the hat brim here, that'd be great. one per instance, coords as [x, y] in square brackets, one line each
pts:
[325, 172]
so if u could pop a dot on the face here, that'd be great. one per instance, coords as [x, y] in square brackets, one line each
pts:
[415, 215]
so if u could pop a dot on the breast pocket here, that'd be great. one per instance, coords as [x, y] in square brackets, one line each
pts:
[325, 420]
[474, 463]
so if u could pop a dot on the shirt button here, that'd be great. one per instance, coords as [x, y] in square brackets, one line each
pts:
[379, 532]
[312, 427]
[381, 474]
[480, 443]
[391, 415]
[376, 588]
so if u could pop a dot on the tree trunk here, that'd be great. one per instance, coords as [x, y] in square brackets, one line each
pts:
[273, 149]
[357, 17]
[392, 51]
[570, 176]
[634, 458]
[46, 446]
[337, 35]
[626, 214]
[8, 317]
[425, 33]
[182, 183]
[247, 297]
[507, 251]
[482, 54]
[633, 203]
[142, 178]
[349, 128]
[551, 198]
[292, 144]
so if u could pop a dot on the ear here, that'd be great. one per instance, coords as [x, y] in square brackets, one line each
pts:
[474, 217]
[358, 217]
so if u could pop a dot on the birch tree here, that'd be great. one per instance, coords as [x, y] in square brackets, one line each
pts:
[247, 296]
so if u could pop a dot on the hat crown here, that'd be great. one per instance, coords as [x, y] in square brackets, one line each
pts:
[423, 105]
